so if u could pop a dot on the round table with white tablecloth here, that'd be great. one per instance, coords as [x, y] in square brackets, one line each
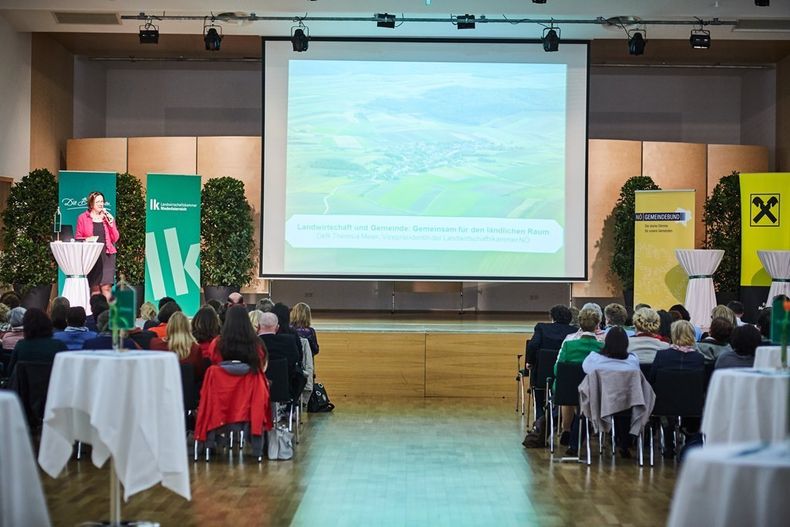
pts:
[777, 263]
[700, 264]
[21, 498]
[76, 260]
[746, 404]
[769, 357]
[744, 484]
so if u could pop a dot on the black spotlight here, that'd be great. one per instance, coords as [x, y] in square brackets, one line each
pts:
[300, 39]
[699, 39]
[538, 1]
[465, 21]
[762, 3]
[551, 39]
[149, 33]
[385, 20]
[212, 36]
[636, 44]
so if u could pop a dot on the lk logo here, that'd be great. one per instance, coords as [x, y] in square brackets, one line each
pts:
[765, 210]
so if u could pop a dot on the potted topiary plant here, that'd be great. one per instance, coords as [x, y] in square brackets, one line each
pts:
[130, 213]
[623, 215]
[723, 231]
[226, 242]
[27, 262]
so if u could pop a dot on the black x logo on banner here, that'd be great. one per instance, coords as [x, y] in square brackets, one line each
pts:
[765, 210]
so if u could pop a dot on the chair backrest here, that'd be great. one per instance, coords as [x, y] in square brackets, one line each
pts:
[277, 373]
[679, 392]
[645, 367]
[188, 387]
[544, 367]
[569, 376]
[31, 381]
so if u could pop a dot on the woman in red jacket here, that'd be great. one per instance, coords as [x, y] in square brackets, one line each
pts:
[97, 221]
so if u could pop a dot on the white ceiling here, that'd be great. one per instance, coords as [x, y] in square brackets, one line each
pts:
[36, 15]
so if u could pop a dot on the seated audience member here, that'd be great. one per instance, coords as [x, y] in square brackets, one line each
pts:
[17, 332]
[550, 335]
[238, 342]
[155, 321]
[216, 304]
[574, 316]
[235, 299]
[647, 341]
[763, 325]
[58, 308]
[76, 333]
[575, 351]
[640, 306]
[614, 356]
[179, 340]
[282, 345]
[737, 308]
[163, 316]
[725, 313]
[103, 339]
[4, 325]
[264, 304]
[745, 340]
[10, 299]
[301, 320]
[98, 304]
[205, 328]
[685, 315]
[681, 354]
[717, 341]
[147, 313]
[38, 344]
[616, 316]
[599, 333]
[664, 328]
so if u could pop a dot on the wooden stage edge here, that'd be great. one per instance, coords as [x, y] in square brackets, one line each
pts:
[421, 354]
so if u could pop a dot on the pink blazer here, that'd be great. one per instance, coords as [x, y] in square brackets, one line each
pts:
[85, 230]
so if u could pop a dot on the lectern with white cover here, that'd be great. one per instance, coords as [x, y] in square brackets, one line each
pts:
[76, 259]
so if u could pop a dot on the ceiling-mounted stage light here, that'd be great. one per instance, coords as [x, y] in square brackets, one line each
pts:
[465, 21]
[385, 20]
[149, 33]
[762, 3]
[699, 39]
[212, 35]
[551, 38]
[637, 43]
[538, 1]
[300, 37]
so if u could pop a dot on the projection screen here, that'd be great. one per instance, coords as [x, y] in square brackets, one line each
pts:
[425, 160]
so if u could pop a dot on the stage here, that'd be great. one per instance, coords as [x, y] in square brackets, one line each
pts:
[421, 354]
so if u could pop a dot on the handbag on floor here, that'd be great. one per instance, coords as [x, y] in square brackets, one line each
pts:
[319, 400]
[280, 443]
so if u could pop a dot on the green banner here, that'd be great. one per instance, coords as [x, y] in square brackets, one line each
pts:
[73, 189]
[172, 240]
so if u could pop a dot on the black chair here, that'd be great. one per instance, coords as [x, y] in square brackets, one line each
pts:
[280, 389]
[31, 381]
[541, 372]
[679, 394]
[646, 367]
[565, 392]
[189, 392]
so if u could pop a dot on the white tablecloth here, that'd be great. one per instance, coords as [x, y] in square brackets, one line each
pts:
[745, 404]
[76, 259]
[777, 263]
[700, 264]
[743, 485]
[125, 404]
[21, 499]
[769, 357]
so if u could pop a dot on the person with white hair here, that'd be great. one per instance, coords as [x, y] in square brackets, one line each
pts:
[600, 334]
[17, 331]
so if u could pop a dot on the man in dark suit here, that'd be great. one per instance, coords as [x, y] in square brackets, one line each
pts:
[284, 346]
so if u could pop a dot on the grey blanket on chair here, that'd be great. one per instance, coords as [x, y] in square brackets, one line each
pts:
[604, 393]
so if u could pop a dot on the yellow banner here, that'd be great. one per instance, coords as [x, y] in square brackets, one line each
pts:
[664, 221]
[765, 222]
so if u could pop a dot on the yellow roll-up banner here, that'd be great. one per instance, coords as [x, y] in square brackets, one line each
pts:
[765, 222]
[664, 221]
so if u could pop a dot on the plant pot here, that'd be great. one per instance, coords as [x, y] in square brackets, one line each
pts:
[36, 296]
[219, 292]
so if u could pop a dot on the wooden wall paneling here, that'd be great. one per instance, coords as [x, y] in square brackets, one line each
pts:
[610, 164]
[723, 159]
[372, 364]
[51, 102]
[97, 154]
[679, 166]
[162, 155]
[471, 364]
[239, 158]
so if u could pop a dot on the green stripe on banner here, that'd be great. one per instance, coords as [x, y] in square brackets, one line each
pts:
[73, 189]
[172, 240]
